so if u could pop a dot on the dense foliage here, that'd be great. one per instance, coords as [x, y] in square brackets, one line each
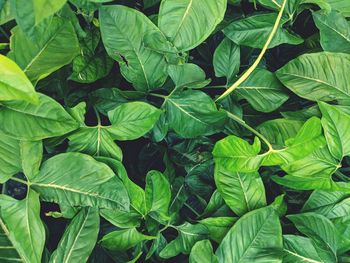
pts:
[201, 131]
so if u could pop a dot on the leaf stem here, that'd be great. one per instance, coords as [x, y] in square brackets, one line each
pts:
[259, 58]
[19, 180]
[4, 33]
[98, 117]
[245, 125]
[192, 209]
[157, 95]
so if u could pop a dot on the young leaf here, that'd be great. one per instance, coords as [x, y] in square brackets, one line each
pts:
[262, 241]
[79, 237]
[181, 24]
[218, 226]
[14, 84]
[21, 225]
[187, 75]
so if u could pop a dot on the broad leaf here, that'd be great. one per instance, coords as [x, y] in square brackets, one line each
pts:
[334, 31]
[242, 192]
[193, 113]
[123, 40]
[56, 47]
[218, 226]
[202, 252]
[78, 180]
[261, 241]
[21, 225]
[187, 75]
[23, 120]
[79, 237]
[311, 76]
[132, 120]
[253, 31]
[122, 240]
[299, 249]
[14, 84]
[181, 24]
[263, 91]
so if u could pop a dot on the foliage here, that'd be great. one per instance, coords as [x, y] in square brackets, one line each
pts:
[201, 131]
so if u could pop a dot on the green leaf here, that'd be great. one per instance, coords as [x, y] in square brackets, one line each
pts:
[242, 192]
[261, 241]
[79, 238]
[298, 249]
[277, 131]
[21, 226]
[193, 113]
[14, 84]
[120, 218]
[334, 31]
[158, 193]
[218, 226]
[78, 180]
[23, 120]
[56, 47]
[253, 31]
[202, 252]
[6, 12]
[234, 154]
[123, 40]
[188, 235]
[226, 59]
[122, 240]
[96, 141]
[336, 124]
[342, 6]
[181, 24]
[331, 204]
[311, 76]
[263, 91]
[321, 231]
[187, 75]
[132, 120]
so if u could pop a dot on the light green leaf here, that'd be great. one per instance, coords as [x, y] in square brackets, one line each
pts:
[79, 238]
[14, 84]
[122, 30]
[122, 240]
[120, 218]
[226, 59]
[311, 76]
[56, 47]
[188, 235]
[181, 24]
[336, 125]
[253, 31]
[76, 179]
[193, 113]
[23, 120]
[334, 31]
[132, 120]
[242, 192]
[21, 225]
[6, 12]
[158, 193]
[263, 91]
[343, 6]
[202, 252]
[261, 241]
[321, 231]
[277, 131]
[298, 249]
[235, 154]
